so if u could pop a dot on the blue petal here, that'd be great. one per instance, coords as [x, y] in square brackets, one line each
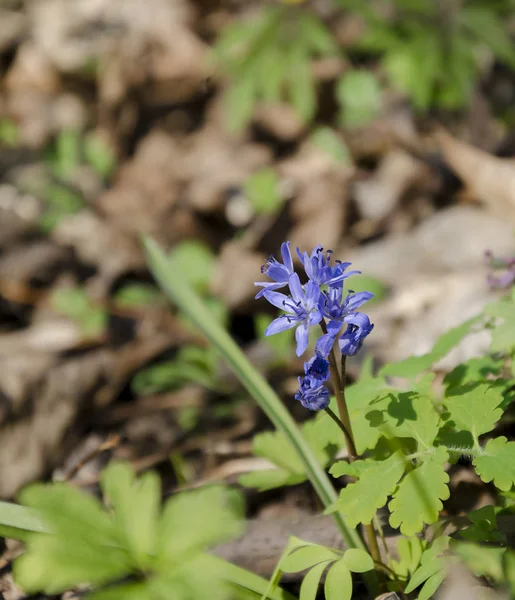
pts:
[312, 294]
[267, 286]
[314, 317]
[279, 300]
[286, 254]
[277, 272]
[358, 319]
[354, 301]
[324, 344]
[302, 338]
[296, 288]
[333, 327]
[282, 323]
[342, 276]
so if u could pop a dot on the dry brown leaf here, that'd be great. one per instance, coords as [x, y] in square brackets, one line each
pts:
[491, 179]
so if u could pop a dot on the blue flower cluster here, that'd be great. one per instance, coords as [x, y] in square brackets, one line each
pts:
[319, 301]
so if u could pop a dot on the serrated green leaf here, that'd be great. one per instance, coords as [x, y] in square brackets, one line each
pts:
[418, 498]
[497, 463]
[192, 522]
[407, 414]
[377, 479]
[338, 583]
[136, 504]
[474, 407]
[310, 583]
[358, 561]
[306, 557]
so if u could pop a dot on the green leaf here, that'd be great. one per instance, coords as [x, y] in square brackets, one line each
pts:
[75, 304]
[487, 26]
[328, 141]
[181, 293]
[301, 87]
[136, 504]
[270, 479]
[497, 463]
[262, 189]
[316, 34]
[482, 560]
[306, 557]
[431, 585]
[239, 100]
[474, 407]
[376, 480]
[83, 547]
[416, 364]
[473, 370]
[338, 583]
[310, 583]
[418, 497]
[242, 579]
[137, 295]
[407, 414]
[358, 561]
[194, 261]
[18, 522]
[359, 95]
[99, 155]
[192, 522]
[431, 563]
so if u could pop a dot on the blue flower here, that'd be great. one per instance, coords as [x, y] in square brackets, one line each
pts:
[280, 273]
[317, 369]
[312, 393]
[319, 270]
[358, 327]
[301, 308]
[313, 398]
[340, 312]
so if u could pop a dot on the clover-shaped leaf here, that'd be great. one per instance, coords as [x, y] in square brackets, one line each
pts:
[418, 497]
[377, 479]
[497, 463]
[474, 408]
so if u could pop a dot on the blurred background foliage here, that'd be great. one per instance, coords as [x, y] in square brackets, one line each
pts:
[433, 52]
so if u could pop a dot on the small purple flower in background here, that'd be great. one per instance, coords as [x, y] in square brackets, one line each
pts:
[301, 308]
[504, 263]
[280, 273]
